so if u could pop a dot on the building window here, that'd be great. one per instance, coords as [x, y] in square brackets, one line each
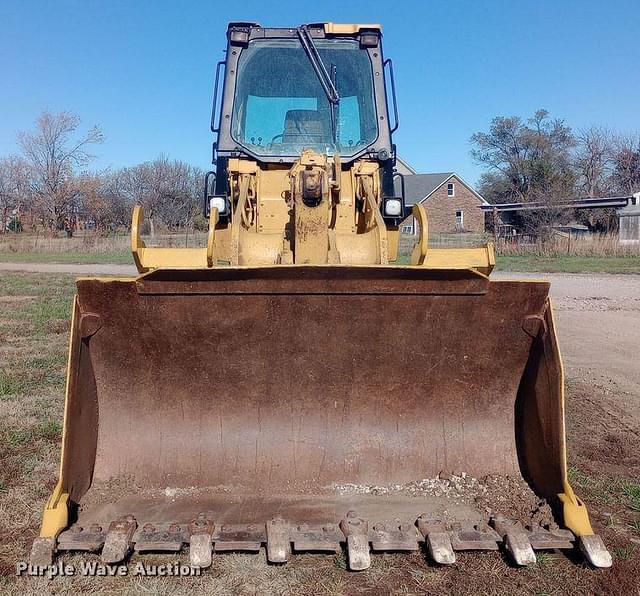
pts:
[459, 219]
[451, 189]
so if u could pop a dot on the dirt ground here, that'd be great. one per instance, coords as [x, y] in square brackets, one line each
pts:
[598, 319]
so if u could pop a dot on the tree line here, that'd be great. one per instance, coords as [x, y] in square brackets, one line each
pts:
[542, 159]
[49, 184]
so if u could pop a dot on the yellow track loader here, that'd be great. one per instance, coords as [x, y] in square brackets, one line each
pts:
[291, 386]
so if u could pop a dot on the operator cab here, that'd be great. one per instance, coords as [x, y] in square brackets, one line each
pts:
[281, 108]
[319, 87]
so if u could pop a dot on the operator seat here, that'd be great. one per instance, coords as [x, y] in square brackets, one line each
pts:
[303, 125]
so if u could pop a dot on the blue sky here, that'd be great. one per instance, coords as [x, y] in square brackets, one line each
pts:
[143, 70]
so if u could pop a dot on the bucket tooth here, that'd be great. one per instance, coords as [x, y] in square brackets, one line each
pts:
[474, 535]
[278, 541]
[394, 537]
[317, 538]
[119, 539]
[200, 553]
[519, 548]
[201, 541]
[88, 539]
[356, 530]
[516, 540]
[438, 540]
[595, 551]
[160, 537]
[42, 551]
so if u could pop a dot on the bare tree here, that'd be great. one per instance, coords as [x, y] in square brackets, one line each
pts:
[525, 158]
[112, 190]
[100, 206]
[527, 162]
[53, 155]
[626, 168]
[593, 161]
[168, 190]
[135, 184]
[15, 178]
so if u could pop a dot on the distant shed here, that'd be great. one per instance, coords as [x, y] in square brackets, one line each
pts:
[629, 220]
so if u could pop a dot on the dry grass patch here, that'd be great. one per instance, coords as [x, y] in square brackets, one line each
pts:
[32, 371]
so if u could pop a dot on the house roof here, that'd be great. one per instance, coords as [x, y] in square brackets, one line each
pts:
[406, 165]
[419, 186]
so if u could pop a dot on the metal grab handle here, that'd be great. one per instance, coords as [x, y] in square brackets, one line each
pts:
[392, 79]
[215, 98]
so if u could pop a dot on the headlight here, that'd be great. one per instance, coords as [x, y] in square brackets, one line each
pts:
[393, 207]
[219, 203]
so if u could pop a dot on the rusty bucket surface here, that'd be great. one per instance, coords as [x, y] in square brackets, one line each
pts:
[264, 397]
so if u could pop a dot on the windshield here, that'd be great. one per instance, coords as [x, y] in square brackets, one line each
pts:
[280, 107]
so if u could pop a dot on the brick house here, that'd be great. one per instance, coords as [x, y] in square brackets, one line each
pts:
[451, 204]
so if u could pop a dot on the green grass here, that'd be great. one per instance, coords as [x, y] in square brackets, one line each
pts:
[19, 376]
[543, 559]
[50, 429]
[568, 264]
[34, 326]
[558, 264]
[14, 437]
[12, 384]
[632, 492]
[601, 490]
[45, 309]
[623, 553]
[113, 257]
[36, 284]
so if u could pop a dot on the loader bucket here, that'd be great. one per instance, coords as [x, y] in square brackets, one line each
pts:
[303, 408]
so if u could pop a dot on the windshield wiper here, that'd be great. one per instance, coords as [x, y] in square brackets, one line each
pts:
[327, 81]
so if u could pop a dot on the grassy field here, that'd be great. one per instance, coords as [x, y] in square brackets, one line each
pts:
[593, 255]
[115, 257]
[568, 264]
[560, 264]
[552, 264]
[34, 311]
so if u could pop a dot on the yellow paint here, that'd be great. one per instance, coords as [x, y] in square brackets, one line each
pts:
[211, 255]
[348, 29]
[419, 253]
[265, 223]
[576, 517]
[574, 511]
[481, 259]
[55, 517]
[56, 512]
[149, 258]
[393, 240]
